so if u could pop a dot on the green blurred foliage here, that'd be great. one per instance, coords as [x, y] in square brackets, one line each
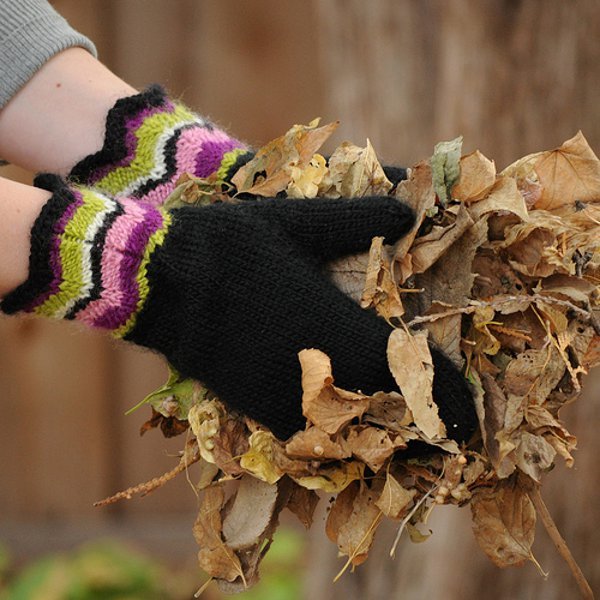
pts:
[110, 570]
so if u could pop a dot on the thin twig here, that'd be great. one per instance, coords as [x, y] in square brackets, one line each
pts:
[497, 303]
[409, 517]
[187, 459]
[542, 510]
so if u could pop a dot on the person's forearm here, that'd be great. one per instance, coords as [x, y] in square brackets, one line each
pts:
[58, 117]
[20, 205]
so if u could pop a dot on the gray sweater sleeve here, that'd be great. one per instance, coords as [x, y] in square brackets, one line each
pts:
[31, 32]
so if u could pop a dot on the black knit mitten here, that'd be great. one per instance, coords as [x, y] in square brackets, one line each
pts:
[228, 293]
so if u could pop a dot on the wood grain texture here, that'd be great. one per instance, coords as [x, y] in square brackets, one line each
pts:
[512, 77]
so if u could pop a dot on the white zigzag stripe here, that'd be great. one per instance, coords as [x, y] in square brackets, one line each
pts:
[160, 165]
[86, 253]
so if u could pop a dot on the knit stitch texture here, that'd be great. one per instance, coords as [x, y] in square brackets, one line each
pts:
[150, 141]
[229, 293]
[89, 258]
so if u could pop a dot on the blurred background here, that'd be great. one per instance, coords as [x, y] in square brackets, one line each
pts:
[511, 76]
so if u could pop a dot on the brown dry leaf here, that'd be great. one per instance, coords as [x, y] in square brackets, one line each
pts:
[389, 410]
[354, 172]
[395, 499]
[208, 472]
[543, 423]
[477, 176]
[534, 374]
[260, 459]
[569, 287]
[355, 535]
[341, 510]
[429, 248]
[504, 196]
[302, 503]
[534, 455]
[328, 407]
[555, 319]
[592, 356]
[446, 333]
[314, 443]
[250, 513]
[485, 341]
[278, 158]
[451, 278]
[494, 277]
[411, 365]
[494, 410]
[251, 557]
[230, 442]
[504, 524]
[348, 274]
[215, 557]
[531, 244]
[568, 174]
[417, 192]
[372, 446]
[380, 290]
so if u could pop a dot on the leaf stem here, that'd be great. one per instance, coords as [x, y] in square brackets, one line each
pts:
[559, 542]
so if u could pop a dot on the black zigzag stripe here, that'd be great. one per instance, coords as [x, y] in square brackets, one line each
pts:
[96, 259]
[114, 148]
[42, 233]
[170, 158]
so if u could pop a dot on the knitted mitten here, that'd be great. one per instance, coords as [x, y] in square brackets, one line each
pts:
[150, 141]
[229, 293]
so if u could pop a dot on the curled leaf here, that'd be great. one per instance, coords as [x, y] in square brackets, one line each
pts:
[328, 407]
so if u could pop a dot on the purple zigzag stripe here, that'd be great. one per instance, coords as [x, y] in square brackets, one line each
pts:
[117, 315]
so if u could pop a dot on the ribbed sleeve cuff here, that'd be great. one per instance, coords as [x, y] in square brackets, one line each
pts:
[31, 32]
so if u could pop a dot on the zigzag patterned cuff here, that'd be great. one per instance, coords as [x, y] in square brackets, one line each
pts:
[89, 255]
[150, 141]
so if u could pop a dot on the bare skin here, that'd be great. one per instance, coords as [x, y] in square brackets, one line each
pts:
[55, 120]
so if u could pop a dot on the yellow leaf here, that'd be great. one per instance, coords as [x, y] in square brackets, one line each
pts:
[270, 171]
[204, 419]
[305, 181]
[260, 458]
[332, 479]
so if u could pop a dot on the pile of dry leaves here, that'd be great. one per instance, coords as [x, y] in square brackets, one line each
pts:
[501, 270]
